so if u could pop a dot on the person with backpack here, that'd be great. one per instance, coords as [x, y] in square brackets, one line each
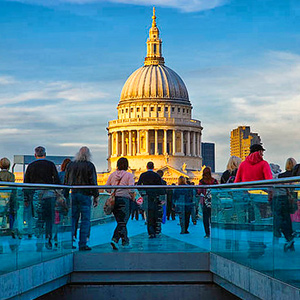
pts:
[232, 166]
[205, 199]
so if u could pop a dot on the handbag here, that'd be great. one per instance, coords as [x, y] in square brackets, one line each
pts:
[110, 202]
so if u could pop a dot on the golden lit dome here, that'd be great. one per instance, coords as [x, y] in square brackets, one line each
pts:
[154, 81]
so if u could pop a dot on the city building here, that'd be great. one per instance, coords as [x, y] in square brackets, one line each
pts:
[241, 139]
[155, 120]
[208, 155]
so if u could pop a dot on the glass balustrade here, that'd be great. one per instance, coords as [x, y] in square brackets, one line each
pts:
[256, 226]
[259, 227]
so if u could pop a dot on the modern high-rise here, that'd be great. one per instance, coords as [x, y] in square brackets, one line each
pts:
[208, 155]
[241, 139]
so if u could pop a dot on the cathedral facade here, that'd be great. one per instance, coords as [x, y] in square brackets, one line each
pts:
[155, 118]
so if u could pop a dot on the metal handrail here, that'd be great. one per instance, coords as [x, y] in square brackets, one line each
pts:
[260, 183]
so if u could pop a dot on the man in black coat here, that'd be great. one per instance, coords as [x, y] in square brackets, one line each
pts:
[153, 205]
[42, 171]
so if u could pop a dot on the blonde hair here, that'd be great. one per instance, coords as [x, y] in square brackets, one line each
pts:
[181, 180]
[233, 163]
[4, 163]
[290, 164]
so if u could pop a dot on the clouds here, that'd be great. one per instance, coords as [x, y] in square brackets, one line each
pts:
[61, 115]
[265, 96]
[6, 80]
[183, 5]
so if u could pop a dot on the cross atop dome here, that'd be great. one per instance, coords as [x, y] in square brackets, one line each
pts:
[154, 49]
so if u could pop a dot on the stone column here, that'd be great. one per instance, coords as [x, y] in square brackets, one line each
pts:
[194, 144]
[155, 142]
[137, 142]
[130, 143]
[174, 142]
[188, 144]
[123, 143]
[147, 142]
[181, 146]
[199, 144]
[109, 144]
[117, 143]
[200, 151]
[165, 141]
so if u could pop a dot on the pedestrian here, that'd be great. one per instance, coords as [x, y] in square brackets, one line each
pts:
[183, 199]
[283, 200]
[289, 166]
[41, 171]
[79, 172]
[153, 201]
[163, 199]
[63, 167]
[123, 202]
[170, 204]
[7, 196]
[254, 168]
[205, 199]
[296, 170]
[232, 166]
[195, 206]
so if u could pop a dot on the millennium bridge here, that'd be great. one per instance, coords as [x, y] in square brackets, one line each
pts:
[245, 258]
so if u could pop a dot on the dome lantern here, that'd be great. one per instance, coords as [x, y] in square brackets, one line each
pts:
[154, 49]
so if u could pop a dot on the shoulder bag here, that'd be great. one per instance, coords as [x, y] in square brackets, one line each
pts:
[110, 202]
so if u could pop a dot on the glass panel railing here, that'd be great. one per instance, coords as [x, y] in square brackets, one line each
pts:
[35, 226]
[9, 241]
[285, 202]
[258, 227]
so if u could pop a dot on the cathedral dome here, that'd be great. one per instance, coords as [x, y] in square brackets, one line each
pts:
[155, 82]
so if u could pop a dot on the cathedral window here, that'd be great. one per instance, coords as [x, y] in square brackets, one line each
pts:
[159, 108]
[166, 109]
[183, 110]
[145, 109]
[126, 110]
[137, 109]
[131, 109]
[152, 109]
[173, 109]
[122, 111]
[178, 109]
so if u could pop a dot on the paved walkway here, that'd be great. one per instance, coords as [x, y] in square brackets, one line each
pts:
[256, 249]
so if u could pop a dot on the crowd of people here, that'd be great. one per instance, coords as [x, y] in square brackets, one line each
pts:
[155, 204]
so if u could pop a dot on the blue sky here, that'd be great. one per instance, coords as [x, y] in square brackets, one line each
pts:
[63, 64]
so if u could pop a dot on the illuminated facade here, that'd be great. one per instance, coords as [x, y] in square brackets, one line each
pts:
[240, 141]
